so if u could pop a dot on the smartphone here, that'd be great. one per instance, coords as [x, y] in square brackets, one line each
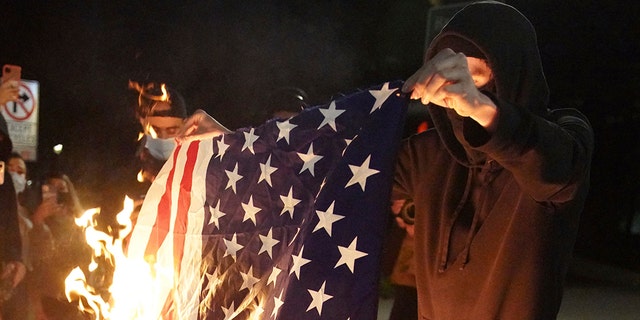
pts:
[48, 192]
[11, 72]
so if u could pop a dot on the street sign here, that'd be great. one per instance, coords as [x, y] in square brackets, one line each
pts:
[22, 119]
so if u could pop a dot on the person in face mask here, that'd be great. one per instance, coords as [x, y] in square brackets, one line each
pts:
[18, 307]
[18, 171]
[161, 111]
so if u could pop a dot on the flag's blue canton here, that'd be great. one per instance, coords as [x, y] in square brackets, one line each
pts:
[296, 210]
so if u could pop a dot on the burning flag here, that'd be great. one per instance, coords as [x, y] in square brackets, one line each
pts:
[282, 221]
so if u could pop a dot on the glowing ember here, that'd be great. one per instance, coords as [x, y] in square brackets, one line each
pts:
[127, 296]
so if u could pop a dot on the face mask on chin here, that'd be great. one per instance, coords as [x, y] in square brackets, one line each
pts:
[19, 181]
[160, 148]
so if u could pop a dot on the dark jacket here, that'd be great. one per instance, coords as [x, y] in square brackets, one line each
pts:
[10, 242]
[496, 214]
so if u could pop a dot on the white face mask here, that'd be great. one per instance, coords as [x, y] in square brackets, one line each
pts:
[19, 181]
[160, 148]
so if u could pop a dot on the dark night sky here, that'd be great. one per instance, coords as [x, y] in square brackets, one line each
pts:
[225, 57]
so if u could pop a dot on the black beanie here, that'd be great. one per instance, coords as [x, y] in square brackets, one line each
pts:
[152, 93]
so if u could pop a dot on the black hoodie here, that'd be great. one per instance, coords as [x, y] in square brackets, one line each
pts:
[10, 242]
[496, 214]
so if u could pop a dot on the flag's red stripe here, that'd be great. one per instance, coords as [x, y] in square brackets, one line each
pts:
[161, 226]
[168, 311]
[184, 202]
[180, 225]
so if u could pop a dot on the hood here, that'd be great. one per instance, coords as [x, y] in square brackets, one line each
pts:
[5, 141]
[506, 39]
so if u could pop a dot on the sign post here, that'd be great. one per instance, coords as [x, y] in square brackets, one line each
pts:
[22, 119]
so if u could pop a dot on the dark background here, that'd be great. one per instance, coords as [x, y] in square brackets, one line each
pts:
[226, 56]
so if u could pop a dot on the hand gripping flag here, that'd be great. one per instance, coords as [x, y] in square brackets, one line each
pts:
[282, 221]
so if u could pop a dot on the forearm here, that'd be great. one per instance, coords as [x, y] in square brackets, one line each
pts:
[548, 158]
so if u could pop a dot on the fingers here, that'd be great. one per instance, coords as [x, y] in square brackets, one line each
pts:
[200, 126]
[9, 91]
[445, 68]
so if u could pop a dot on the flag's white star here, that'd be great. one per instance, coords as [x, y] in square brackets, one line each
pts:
[249, 139]
[298, 262]
[289, 203]
[327, 218]
[222, 148]
[277, 301]
[229, 313]
[250, 211]
[318, 298]
[348, 255]
[266, 170]
[267, 243]
[381, 96]
[361, 173]
[273, 277]
[233, 178]
[248, 280]
[284, 128]
[232, 247]
[330, 116]
[213, 281]
[216, 214]
[309, 159]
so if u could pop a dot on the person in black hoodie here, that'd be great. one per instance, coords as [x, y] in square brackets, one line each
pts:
[12, 268]
[498, 185]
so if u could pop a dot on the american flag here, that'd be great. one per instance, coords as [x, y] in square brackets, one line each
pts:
[281, 221]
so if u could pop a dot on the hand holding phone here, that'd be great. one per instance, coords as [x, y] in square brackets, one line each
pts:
[11, 72]
[10, 85]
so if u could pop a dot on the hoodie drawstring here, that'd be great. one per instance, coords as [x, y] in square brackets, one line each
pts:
[488, 178]
[445, 248]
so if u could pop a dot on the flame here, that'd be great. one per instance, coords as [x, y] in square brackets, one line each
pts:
[127, 296]
[149, 128]
[165, 95]
[140, 176]
[135, 86]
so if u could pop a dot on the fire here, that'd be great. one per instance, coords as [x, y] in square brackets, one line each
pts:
[147, 91]
[127, 296]
[165, 95]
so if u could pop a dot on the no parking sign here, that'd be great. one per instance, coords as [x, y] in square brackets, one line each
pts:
[22, 119]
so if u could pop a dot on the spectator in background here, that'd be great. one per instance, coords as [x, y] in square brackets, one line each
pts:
[58, 245]
[18, 306]
[12, 268]
[284, 103]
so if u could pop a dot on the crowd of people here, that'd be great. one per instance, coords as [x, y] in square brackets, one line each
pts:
[40, 241]
[495, 189]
